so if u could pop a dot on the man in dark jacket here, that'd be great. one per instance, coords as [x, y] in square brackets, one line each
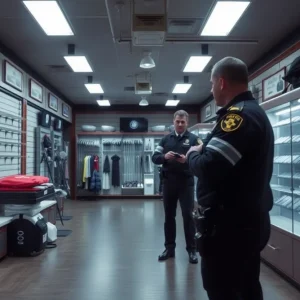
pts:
[234, 167]
[178, 183]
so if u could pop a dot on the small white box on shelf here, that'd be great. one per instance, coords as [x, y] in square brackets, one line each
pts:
[148, 184]
[149, 145]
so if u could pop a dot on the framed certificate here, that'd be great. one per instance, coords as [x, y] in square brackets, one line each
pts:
[13, 76]
[53, 102]
[35, 91]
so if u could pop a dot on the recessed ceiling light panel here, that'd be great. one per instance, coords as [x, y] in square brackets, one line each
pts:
[196, 64]
[50, 17]
[181, 88]
[224, 17]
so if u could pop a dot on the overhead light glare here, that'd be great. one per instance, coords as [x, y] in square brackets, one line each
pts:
[287, 111]
[94, 88]
[78, 63]
[196, 64]
[50, 17]
[224, 17]
[181, 88]
[172, 102]
[103, 102]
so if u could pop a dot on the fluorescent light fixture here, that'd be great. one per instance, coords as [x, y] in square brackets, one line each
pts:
[287, 111]
[224, 17]
[78, 63]
[172, 102]
[50, 17]
[196, 64]
[181, 88]
[94, 88]
[103, 102]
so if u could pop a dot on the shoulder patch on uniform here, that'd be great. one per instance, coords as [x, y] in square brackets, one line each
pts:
[231, 122]
[199, 141]
[237, 107]
[233, 108]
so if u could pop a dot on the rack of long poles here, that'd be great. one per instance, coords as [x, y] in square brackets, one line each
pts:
[133, 162]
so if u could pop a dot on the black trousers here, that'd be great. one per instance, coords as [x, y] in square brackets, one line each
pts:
[232, 271]
[175, 188]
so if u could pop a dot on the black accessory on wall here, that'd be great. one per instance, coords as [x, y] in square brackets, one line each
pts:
[47, 144]
[293, 74]
[133, 125]
[44, 119]
[57, 124]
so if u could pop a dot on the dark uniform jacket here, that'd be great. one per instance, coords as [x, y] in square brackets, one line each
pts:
[235, 165]
[181, 145]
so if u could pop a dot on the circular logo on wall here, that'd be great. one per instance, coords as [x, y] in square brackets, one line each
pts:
[133, 124]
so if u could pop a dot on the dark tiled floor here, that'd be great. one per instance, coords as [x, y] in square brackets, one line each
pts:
[112, 253]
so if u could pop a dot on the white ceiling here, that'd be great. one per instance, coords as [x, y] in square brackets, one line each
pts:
[115, 64]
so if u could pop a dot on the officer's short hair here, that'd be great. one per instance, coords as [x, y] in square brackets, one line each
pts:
[181, 113]
[231, 69]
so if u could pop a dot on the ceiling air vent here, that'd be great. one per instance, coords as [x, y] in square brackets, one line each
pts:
[160, 94]
[59, 68]
[149, 22]
[182, 26]
[148, 30]
[143, 88]
[129, 88]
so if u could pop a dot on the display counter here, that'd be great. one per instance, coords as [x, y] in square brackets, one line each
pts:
[283, 249]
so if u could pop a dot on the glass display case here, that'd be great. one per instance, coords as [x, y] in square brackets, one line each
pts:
[284, 114]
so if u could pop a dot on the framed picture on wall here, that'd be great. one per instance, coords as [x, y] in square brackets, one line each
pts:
[273, 85]
[12, 76]
[207, 111]
[35, 91]
[65, 110]
[53, 102]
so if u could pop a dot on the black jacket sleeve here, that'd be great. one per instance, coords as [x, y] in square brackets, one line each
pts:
[158, 157]
[196, 141]
[233, 137]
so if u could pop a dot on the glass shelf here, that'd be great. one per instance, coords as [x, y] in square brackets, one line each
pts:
[285, 183]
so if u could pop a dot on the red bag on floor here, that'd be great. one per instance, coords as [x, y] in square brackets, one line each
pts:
[22, 181]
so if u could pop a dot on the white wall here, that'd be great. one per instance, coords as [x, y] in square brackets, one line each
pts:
[257, 81]
[32, 123]
[10, 135]
[7, 103]
[25, 93]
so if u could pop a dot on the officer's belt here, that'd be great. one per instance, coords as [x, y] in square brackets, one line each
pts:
[174, 174]
[208, 200]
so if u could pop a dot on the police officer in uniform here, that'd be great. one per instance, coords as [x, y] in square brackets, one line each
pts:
[234, 168]
[178, 183]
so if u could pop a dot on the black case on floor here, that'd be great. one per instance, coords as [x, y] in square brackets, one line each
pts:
[27, 236]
